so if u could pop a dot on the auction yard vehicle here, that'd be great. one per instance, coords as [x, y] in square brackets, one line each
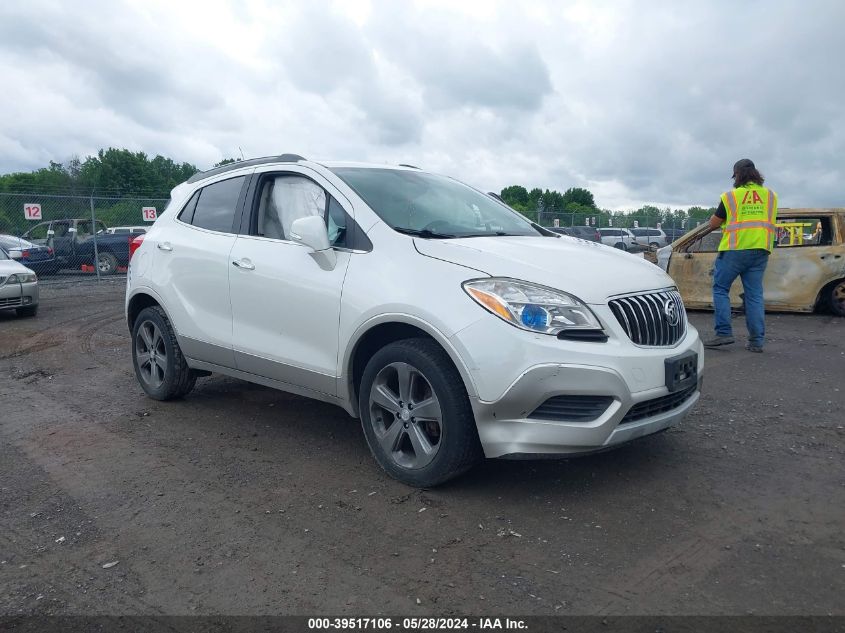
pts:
[38, 258]
[452, 326]
[655, 238]
[622, 239]
[18, 286]
[72, 241]
[806, 269]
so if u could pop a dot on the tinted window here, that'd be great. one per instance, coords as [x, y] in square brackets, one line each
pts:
[215, 209]
[338, 223]
[187, 214]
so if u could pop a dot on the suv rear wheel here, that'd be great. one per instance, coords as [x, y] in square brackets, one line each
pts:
[416, 414]
[159, 363]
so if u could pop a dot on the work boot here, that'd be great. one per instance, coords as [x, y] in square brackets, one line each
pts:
[718, 341]
[754, 348]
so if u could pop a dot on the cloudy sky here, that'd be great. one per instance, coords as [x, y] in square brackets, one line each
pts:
[640, 102]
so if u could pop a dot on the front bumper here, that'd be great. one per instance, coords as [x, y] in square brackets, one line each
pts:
[18, 295]
[506, 430]
[521, 371]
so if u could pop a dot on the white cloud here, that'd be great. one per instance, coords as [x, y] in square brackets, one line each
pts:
[639, 102]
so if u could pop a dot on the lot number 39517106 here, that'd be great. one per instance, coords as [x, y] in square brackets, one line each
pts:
[32, 211]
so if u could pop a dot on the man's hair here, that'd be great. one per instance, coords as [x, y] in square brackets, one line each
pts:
[745, 172]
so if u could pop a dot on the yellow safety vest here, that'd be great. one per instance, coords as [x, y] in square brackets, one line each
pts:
[751, 216]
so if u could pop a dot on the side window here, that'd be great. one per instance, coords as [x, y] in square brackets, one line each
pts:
[338, 223]
[83, 230]
[59, 229]
[39, 232]
[215, 209]
[794, 232]
[187, 213]
[284, 199]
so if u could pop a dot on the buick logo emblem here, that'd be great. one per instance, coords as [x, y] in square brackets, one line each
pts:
[671, 313]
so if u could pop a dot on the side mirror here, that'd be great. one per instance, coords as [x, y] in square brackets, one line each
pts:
[312, 232]
[14, 255]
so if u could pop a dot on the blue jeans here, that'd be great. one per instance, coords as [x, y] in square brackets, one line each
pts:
[750, 266]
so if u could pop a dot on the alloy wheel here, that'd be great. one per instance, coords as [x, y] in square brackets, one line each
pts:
[151, 354]
[406, 416]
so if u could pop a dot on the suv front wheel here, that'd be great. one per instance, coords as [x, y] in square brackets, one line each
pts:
[159, 363]
[416, 414]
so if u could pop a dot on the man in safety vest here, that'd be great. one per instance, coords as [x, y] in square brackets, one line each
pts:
[746, 215]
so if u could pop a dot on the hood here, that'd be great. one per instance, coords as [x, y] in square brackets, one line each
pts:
[11, 267]
[589, 270]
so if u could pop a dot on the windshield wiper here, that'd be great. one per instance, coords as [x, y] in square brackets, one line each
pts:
[426, 233]
[494, 234]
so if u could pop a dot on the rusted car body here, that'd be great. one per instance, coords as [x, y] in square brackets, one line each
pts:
[806, 269]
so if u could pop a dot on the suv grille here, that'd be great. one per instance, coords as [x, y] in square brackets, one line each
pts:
[656, 406]
[656, 319]
[572, 408]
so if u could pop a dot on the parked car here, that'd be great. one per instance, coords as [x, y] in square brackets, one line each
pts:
[802, 275]
[18, 286]
[453, 327]
[73, 244]
[653, 238]
[39, 258]
[622, 239]
[583, 232]
[124, 230]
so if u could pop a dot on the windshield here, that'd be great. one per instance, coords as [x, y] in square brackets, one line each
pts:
[432, 206]
[10, 241]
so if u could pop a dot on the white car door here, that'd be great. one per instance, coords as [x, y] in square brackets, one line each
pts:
[191, 269]
[285, 303]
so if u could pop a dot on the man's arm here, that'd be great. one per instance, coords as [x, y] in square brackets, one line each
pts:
[716, 219]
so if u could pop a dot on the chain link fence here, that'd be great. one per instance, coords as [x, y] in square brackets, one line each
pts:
[602, 220]
[74, 237]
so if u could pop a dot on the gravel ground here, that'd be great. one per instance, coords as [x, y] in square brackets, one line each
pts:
[244, 500]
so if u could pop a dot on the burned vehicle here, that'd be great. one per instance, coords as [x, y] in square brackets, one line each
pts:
[806, 270]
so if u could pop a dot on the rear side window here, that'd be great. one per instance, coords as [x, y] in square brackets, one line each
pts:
[216, 206]
[187, 213]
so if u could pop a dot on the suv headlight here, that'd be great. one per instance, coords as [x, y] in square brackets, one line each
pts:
[532, 307]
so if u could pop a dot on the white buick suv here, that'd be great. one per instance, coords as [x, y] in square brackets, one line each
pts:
[453, 327]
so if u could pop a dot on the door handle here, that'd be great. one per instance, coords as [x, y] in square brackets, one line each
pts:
[164, 246]
[245, 264]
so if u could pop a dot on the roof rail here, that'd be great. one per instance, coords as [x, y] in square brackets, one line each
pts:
[411, 166]
[222, 169]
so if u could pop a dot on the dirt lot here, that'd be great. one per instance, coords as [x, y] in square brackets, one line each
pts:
[244, 500]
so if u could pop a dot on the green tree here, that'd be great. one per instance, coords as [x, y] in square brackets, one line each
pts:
[515, 195]
[580, 196]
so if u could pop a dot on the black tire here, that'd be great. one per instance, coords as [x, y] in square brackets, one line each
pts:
[653, 246]
[836, 298]
[621, 246]
[107, 263]
[458, 447]
[176, 378]
[28, 311]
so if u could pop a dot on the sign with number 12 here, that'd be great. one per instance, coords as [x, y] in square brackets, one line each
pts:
[32, 211]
